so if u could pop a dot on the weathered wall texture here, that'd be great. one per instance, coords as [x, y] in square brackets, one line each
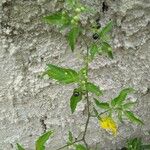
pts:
[30, 105]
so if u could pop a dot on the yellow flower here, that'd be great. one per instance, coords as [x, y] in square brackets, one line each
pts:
[108, 124]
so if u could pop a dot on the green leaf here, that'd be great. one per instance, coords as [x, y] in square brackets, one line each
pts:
[42, 140]
[102, 105]
[121, 97]
[55, 18]
[20, 147]
[107, 49]
[62, 75]
[145, 147]
[129, 105]
[71, 3]
[132, 117]
[72, 36]
[70, 138]
[134, 144]
[93, 50]
[80, 147]
[106, 29]
[75, 99]
[93, 89]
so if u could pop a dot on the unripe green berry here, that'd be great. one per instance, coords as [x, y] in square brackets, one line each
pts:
[73, 21]
[83, 82]
[86, 77]
[63, 18]
[78, 10]
[109, 49]
[82, 8]
[76, 18]
[84, 71]
[63, 13]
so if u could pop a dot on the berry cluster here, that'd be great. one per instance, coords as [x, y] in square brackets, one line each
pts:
[76, 18]
[98, 23]
[98, 26]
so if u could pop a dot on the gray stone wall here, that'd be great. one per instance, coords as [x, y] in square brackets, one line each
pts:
[30, 105]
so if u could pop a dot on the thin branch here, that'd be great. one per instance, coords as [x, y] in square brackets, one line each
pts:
[88, 105]
[87, 96]
[100, 113]
[86, 144]
[87, 121]
[67, 145]
[88, 118]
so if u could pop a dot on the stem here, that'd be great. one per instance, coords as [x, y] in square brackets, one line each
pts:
[99, 114]
[88, 117]
[87, 121]
[69, 144]
[87, 96]
[87, 102]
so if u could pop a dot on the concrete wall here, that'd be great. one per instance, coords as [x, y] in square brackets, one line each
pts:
[30, 105]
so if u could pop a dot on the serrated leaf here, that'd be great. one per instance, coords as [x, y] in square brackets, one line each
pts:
[75, 99]
[73, 36]
[62, 75]
[80, 147]
[93, 89]
[42, 140]
[107, 49]
[19, 147]
[121, 97]
[70, 138]
[106, 29]
[132, 117]
[129, 105]
[93, 50]
[101, 105]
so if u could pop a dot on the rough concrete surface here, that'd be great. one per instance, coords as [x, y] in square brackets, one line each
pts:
[30, 105]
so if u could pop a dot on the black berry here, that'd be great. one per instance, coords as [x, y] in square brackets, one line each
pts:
[98, 26]
[124, 148]
[76, 94]
[95, 36]
[97, 21]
